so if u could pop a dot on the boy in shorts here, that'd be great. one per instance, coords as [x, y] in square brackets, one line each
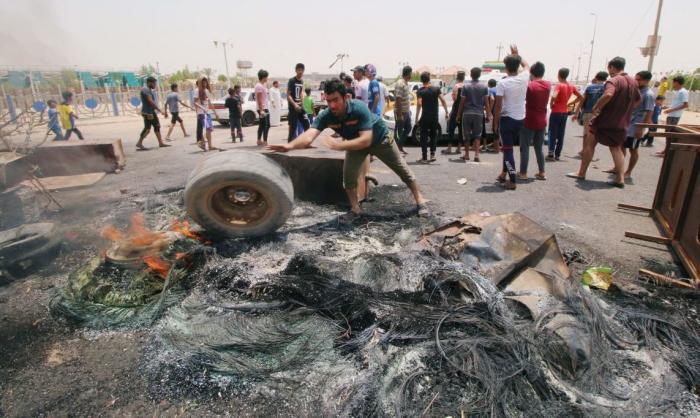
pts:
[233, 103]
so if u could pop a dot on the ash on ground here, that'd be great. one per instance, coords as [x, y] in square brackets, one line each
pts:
[326, 318]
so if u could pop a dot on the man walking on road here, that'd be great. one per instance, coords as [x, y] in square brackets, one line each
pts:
[428, 97]
[148, 112]
[362, 133]
[473, 103]
[611, 119]
[375, 91]
[455, 115]
[402, 108]
[510, 112]
[172, 103]
[295, 97]
[560, 113]
[641, 114]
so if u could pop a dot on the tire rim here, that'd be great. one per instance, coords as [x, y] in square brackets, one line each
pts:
[239, 205]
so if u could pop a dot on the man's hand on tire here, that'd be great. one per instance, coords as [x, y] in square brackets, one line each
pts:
[279, 148]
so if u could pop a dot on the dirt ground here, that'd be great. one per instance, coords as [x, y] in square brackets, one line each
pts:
[49, 369]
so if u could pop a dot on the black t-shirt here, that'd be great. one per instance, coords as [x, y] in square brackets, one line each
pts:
[429, 99]
[146, 107]
[232, 104]
[295, 88]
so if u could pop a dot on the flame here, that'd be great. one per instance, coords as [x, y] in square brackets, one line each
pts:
[180, 256]
[183, 227]
[139, 234]
[111, 233]
[157, 265]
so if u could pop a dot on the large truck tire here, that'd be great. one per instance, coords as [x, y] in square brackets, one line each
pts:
[239, 194]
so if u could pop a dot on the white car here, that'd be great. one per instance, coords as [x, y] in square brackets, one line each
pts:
[415, 131]
[249, 107]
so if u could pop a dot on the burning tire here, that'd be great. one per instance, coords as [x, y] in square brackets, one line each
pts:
[29, 241]
[239, 194]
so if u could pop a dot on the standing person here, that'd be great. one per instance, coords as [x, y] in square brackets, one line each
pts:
[679, 102]
[362, 133]
[663, 86]
[68, 116]
[54, 124]
[493, 137]
[455, 114]
[172, 103]
[235, 110]
[262, 103]
[585, 106]
[349, 89]
[402, 108]
[658, 105]
[641, 114]
[295, 97]
[560, 113]
[148, 111]
[428, 97]
[275, 104]
[361, 84]
[309, 105]
[375, 91]
[473, 104]
[611, 118]
[386, 100]
[510, 111]
[535, 123]
[201, 104]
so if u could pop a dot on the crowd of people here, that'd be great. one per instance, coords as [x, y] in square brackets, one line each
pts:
[521, 108]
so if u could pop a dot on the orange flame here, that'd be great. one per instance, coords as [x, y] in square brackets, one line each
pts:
[111, 233]
[183, 227]
[157, 265]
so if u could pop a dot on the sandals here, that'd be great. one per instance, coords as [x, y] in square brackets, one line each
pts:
[615, 184]
[540, 177]
[575, 176]
[423, 209]
[508, 185]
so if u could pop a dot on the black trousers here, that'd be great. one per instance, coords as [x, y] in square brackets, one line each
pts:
[428, 136]
[451, 126]
[264, 126]
[292, 119]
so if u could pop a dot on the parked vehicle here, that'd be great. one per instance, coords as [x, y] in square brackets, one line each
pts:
[250, 113]
[390, 122]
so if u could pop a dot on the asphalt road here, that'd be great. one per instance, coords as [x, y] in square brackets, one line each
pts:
[584, 215]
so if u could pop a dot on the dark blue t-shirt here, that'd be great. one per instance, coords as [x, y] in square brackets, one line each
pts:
[146, 107]
[357, 118]
[593, 93]
[655, 114]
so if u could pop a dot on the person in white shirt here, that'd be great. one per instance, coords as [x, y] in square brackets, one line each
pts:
[275, 104]
[361, 84]
[510, 111]
[679, 102]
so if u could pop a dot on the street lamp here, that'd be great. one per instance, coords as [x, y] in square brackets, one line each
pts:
[590, 57]
[224, 45]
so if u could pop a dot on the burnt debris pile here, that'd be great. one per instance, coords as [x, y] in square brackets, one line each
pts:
[397, 316]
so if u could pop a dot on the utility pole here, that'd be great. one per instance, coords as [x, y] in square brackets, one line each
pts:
[224, 45]
[590, 57]
[500, 48]
[655, 47]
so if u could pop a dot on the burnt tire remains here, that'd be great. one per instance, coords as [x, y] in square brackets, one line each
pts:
[239, 194]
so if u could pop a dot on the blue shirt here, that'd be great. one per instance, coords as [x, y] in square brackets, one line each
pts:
[53, 118]
[357, 118]
[638, 113]
[375, 92]
[593, 93]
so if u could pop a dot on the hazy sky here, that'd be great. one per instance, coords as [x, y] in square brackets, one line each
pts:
[105, 34]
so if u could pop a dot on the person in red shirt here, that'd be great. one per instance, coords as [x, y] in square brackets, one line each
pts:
[560, 112]
[535, 123]
[611, 119]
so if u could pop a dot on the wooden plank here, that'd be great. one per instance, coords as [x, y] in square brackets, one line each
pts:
[681, 128]
[67, 182]
[665, 279]
[667, 134]
[632, 207]
[685, 147]
[649, 238]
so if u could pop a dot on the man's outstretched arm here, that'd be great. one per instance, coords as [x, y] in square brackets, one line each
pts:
[302, 141]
